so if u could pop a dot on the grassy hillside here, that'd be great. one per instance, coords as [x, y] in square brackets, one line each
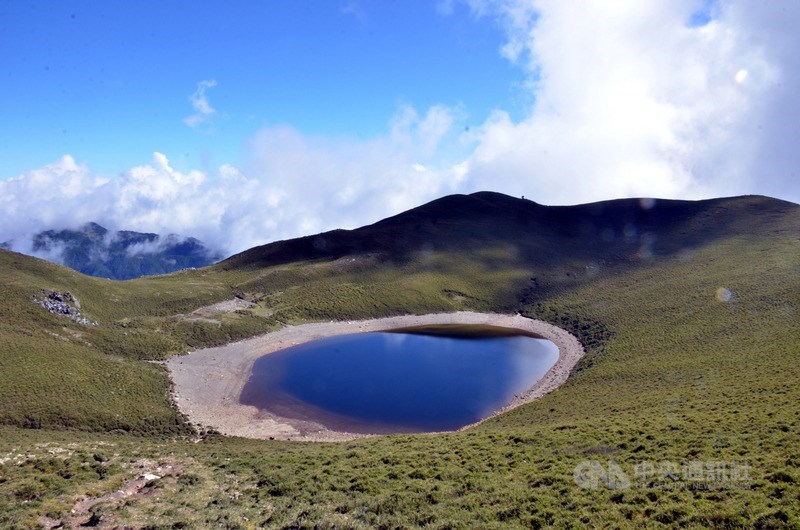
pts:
[689, 311]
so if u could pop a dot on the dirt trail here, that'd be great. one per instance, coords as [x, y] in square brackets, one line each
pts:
[81, 516]
[208, 382]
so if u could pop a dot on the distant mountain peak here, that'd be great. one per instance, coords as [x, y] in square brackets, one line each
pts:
[94, 228]
[122, 255]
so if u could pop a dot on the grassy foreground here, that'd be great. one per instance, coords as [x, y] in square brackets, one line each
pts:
[686, 411]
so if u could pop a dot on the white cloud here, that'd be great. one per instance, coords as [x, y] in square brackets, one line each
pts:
[425, 133]
[291, 185]
[153, 197]
[352, 8]
[53, 196]
[199, 101]
[633, 100]
[318, 183]
[155, 246]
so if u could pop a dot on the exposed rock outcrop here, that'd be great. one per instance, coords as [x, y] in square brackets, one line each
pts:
[63, 304]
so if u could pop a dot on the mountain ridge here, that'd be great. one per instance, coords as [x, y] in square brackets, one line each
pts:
[642, 215]
[121, 255]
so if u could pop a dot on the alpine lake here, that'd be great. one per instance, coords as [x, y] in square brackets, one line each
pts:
[407, 380]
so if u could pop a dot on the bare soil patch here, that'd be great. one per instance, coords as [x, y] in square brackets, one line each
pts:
[228, 306]
[81, 513]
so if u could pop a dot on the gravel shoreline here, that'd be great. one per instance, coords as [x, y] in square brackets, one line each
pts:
[208, 382]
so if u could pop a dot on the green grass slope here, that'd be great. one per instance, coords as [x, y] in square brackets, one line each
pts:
[689, 311]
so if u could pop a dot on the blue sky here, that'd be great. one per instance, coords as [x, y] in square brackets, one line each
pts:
[244, 122]
[109, 82]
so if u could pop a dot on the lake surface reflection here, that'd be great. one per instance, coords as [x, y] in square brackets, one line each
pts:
[384, 382]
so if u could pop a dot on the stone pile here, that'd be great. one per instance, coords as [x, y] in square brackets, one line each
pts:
[63, 304]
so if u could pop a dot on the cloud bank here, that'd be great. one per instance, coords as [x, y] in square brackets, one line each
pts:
[290, 186]
[678, 99]
[634, 99]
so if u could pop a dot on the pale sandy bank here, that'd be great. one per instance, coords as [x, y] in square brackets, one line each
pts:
[208, 382]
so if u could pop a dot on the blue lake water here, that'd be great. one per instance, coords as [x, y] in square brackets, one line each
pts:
[385, 382]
